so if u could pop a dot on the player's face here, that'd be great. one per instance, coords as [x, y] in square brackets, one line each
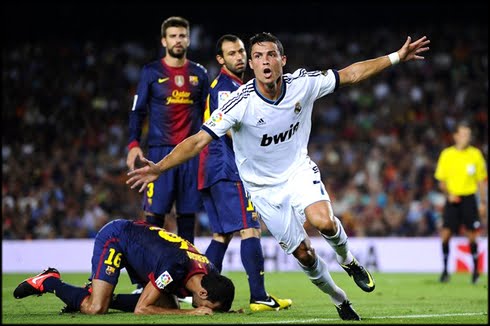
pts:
[176, 41]
[234, 57]
[462, 137]
[266, 62]
[200, 302]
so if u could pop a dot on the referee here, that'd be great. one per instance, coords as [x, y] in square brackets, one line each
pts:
[461, 172]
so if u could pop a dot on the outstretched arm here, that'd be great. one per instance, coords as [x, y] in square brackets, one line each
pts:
[361, 70]
[188, 148]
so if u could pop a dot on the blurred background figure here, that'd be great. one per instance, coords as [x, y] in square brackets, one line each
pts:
[462, 174]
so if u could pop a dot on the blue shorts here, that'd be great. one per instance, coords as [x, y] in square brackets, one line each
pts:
[107, 259]
[228, 207]
[178, 185]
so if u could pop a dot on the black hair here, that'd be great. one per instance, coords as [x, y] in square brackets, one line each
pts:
[220, 289]
[222, 39]
[266, 37]
[174, 21]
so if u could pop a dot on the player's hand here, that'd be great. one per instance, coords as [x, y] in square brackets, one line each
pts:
[453, 199]
[143, 176]
[134, 153]
[200, 311]
[482, 209]
[411, 50]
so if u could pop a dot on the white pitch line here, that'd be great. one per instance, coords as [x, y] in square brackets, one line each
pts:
[375, 317]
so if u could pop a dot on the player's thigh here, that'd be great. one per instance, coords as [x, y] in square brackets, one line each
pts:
[451, 217]
[309, 197]
[470, 215]
[234, 210]
[107, 257]
[211, 211]
[188, 198]
[275, 209]
[160, 194]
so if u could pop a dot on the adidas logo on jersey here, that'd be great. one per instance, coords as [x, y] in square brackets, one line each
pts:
[280, 137]
[261, 122]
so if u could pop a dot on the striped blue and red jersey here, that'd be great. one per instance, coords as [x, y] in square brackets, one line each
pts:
[174, 97]
[152, 254]
[217, 160]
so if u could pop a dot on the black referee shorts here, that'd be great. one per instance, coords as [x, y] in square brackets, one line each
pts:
[463, 213]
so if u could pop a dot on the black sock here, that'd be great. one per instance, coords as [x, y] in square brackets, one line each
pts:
[185, 226]
[474, 254]
[124, 302]
[445, 254]
[69, 294]
[156, 219]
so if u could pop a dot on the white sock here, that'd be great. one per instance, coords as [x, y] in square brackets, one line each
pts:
[319, 275]
[339, 244]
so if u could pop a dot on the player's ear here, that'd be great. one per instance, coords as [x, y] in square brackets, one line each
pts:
[203, 294]
[164, 42]
[220, 59]
[283, 59]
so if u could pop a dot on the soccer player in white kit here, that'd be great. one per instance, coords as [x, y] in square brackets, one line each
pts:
[270, 121]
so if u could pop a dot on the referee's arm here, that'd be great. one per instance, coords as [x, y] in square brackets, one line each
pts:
[483, 189]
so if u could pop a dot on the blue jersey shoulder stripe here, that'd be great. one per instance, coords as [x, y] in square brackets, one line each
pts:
[210, 132]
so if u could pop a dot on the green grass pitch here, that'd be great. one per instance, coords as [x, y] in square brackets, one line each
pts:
[397, 299]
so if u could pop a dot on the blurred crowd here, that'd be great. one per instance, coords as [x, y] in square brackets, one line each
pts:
[65, 128]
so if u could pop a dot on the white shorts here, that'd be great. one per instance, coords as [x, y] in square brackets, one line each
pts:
[282, 207]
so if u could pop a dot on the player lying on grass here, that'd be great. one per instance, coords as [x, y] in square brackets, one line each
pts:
[169, 265]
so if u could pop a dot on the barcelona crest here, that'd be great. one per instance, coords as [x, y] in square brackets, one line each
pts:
[194, 80]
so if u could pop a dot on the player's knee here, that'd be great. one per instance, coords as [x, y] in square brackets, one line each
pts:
[223, 237]
[249, 233]
[305, 254]
[326, 226]
[95, 309]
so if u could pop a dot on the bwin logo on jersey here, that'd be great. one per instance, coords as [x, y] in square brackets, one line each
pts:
[280, 137]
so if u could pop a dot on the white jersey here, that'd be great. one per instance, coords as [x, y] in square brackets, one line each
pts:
[270, 138]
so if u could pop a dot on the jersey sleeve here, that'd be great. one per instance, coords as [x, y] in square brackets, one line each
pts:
[228, 114]
[325, 82]
[139, 110]
[440, 173]
[481, 167]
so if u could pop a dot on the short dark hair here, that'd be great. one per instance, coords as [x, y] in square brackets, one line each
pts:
[222, 39]
[266, 37]
[220, 289]
[461, 124]
[174, 21]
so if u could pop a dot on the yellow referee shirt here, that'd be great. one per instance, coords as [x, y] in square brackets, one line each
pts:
[461, 170]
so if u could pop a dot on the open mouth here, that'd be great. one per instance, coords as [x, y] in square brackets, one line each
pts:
[267, 73]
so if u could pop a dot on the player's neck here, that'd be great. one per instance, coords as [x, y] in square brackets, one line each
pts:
[174, 62]
[193, 284]
[271, 91]
[461, 147]
[231, 73]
